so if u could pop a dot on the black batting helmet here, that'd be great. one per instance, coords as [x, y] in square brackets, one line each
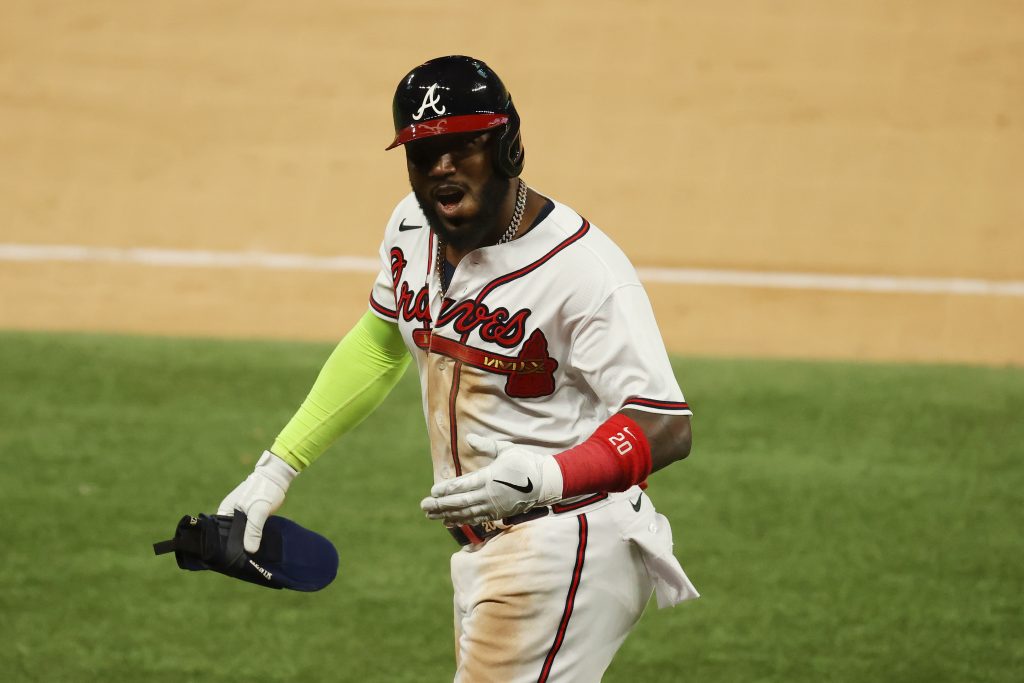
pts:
[457, 94]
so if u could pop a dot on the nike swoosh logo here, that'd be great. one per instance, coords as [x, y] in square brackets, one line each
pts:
[402, 227]
[525, 489]
[639, 501]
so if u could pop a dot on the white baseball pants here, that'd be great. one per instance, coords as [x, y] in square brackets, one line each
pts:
[553, 599]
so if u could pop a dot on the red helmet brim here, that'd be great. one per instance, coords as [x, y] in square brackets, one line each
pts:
[447, 125]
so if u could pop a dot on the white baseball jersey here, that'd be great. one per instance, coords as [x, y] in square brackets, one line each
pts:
[538, 342]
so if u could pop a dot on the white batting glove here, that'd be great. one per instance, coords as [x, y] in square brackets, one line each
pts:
[516, 481]
[259, 496]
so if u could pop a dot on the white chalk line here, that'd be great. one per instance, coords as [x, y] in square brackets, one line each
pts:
[186, 258]
[183, 258]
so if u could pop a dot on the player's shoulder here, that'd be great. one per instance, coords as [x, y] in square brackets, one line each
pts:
[587, 250]
[407, 217]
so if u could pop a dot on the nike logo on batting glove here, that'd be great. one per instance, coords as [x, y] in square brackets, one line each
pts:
[525, 488]
[489, 493]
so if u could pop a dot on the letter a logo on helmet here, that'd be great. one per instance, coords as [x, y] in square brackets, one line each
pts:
[430, 99]
[475, 99]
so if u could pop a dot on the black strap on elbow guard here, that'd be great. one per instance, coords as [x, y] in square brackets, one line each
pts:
[290, 556]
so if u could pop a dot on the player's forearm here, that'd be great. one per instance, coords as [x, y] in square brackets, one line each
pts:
[669, 436]
[357, 377]
[624, 451]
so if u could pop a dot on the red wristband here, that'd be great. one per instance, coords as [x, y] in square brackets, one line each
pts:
[614, 458]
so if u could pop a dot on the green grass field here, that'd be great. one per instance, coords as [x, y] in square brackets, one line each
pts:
[843, 523]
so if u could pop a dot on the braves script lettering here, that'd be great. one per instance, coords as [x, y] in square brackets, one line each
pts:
[497, 326]
[398, 264]
[530, 374]
[412, 306]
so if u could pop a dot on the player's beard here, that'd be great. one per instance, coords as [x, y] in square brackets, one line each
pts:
[473, 231]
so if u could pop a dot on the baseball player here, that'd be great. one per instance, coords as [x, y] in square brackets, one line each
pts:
[547, 393]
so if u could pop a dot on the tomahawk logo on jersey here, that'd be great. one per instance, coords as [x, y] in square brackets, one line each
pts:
[538, 341]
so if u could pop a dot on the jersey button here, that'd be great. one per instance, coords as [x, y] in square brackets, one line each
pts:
[441, 365]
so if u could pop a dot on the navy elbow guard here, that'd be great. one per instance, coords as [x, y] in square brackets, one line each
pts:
[290, 556]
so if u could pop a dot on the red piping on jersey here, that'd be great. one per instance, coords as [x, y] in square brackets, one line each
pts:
[529, 268]
[430, 270]
[653, 403]
[570, 601]
[453, 428]
[383, 311]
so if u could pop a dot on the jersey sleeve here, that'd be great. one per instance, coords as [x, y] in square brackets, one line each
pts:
[620, 353]
[382, 295]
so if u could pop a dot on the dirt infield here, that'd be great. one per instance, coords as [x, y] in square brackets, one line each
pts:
[869, 138]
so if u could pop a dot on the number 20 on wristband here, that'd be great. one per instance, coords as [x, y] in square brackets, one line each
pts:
[620, 442]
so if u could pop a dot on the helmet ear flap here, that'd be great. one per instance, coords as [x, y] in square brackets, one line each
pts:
[510, 156]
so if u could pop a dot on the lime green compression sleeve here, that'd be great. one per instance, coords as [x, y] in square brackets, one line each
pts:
[359, 374]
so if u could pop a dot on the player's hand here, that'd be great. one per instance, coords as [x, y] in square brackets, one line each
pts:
[259, 496]
[516, 481]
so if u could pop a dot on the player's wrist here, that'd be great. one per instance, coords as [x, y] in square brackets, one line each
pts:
[276, 469]
[551, 481]
[293, 459]
[616, 456]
